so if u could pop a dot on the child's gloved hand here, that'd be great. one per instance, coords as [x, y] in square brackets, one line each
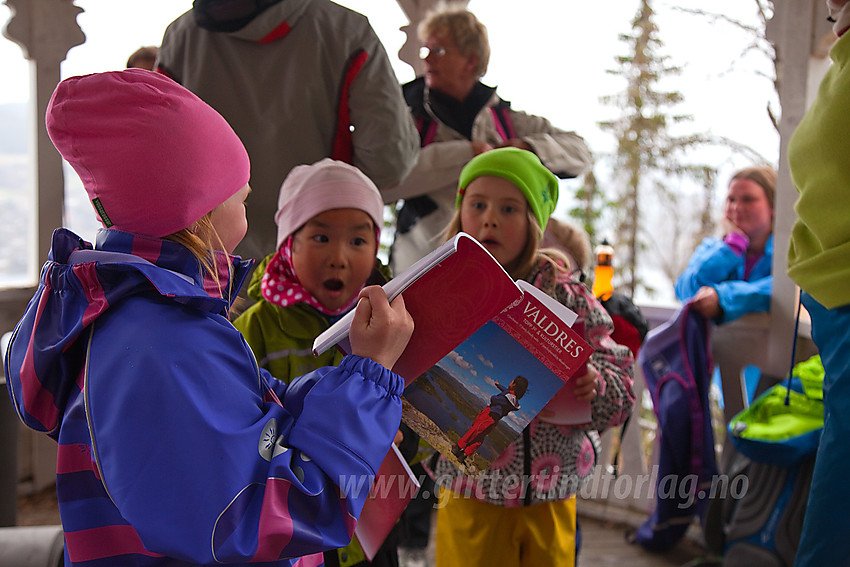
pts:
[380, 330]
[585, 385]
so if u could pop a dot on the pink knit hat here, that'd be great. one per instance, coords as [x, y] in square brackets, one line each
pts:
[152, 156]
[327, 184]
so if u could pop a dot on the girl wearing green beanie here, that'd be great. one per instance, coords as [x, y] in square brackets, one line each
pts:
[523, 510]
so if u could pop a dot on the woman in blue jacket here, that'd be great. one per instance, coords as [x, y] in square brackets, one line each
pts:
[729, 277]
[174, 448]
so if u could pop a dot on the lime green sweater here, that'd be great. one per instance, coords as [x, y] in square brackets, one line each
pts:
[819, 251]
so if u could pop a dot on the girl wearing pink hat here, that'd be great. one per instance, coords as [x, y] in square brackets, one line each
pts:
[174, 448]
[329, 221]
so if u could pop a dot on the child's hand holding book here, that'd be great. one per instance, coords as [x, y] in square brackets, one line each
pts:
[380, 330]
[585, 385]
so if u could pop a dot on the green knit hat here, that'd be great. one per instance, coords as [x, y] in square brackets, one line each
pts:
[523, 169]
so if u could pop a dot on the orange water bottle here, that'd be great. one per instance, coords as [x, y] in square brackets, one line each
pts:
[603, 274]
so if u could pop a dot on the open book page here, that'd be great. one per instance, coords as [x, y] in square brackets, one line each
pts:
[449, 293]
[477, 399]
[395, 485]
[558, 309]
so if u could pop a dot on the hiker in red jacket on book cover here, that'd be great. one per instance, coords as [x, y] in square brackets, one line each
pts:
[501, 404]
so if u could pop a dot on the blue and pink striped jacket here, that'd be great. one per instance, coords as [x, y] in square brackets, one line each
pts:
[175, 449]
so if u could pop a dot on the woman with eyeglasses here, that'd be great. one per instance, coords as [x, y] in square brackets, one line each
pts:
[459, 117]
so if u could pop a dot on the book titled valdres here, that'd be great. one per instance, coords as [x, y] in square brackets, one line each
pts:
[479, 397]
[486, 356]
[449, 293]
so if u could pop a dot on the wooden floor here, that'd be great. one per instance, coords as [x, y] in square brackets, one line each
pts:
[38, 509]
[603, 540]
[604, 545]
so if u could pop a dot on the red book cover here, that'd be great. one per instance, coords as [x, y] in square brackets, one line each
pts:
[564, 408]
[478, 335]
[477, 399]
[394, 486]
[450, 293]
[537, 325]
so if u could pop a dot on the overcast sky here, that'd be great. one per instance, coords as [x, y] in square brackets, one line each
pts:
[549, 58]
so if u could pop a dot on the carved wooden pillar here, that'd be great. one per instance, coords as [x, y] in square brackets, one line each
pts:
[797, 31]
[45, 30]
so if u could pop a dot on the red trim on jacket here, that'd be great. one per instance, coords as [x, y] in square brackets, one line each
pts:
[343, 148]
[280, 31]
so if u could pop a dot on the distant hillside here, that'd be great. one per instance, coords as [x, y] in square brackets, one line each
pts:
[14, 134]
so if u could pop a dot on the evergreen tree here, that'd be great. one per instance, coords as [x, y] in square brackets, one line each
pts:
[650, 161]
[591, 203]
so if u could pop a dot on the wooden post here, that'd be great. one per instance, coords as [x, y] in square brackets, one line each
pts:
[45, 30]
[795, 31]
[416, 10]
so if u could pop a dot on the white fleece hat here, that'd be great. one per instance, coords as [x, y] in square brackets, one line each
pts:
[328, 184]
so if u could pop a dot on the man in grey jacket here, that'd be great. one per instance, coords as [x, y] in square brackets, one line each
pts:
[298, 80]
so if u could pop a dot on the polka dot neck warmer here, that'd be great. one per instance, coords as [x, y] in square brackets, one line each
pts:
[280, 285]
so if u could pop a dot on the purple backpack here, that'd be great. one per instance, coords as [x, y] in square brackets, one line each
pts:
[677, 366]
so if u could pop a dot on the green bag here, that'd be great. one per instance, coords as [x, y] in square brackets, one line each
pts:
[783, 425]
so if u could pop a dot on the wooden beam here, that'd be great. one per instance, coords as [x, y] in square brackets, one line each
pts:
[793, 30]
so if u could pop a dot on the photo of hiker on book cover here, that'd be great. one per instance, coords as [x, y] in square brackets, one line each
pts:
[450, 402]
[501, 404]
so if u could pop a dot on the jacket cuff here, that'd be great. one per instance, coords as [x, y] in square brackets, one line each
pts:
[371, 370]
[737, 242]
[345, 417]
